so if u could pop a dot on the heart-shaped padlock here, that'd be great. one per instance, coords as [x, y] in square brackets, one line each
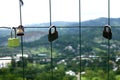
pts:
[13, 41]
[107, 33]
[52, 35]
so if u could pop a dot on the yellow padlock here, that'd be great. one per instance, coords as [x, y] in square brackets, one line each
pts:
[13, 42]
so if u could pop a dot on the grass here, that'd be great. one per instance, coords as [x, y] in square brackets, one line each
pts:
[117, 77]
[83, 78]
[97, 78]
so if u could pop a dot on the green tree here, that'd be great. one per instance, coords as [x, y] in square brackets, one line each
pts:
[89, 74]
[112, 75]
[43, 76]
[22, 62]
[68, 77]
[101, 74]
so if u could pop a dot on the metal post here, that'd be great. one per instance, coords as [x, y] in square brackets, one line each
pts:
[80, 31]
[108, 39]
[51, 42]
[22, 58]
[51, 63]
[20, 12]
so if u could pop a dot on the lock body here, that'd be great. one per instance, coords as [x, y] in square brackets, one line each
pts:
[107, 32]
[13, 42]
[10, 42]
[20, 30]
[52, 35]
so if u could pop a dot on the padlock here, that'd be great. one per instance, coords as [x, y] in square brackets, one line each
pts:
[20, 30]
[107, 33]
[13, 41]
[52, 35]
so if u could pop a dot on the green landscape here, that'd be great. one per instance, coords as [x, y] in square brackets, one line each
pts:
[79, 53]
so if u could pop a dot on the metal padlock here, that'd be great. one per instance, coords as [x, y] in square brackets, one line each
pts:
[52, 35]
[107, 32]
[20, 30]
[13, 41]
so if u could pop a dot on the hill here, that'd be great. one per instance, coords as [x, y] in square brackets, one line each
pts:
[101, 22]
[41, 29]
[95, 22]
[66, 50]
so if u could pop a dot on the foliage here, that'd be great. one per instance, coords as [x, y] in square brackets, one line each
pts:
[67, 51]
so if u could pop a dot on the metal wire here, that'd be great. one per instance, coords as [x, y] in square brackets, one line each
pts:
[80, 32]
[82, 27]
[51, 42]
[20, 12]
[80, 36]
[108, 54]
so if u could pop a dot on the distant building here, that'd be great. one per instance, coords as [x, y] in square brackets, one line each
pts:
[5, 61]
[18, 56]
[71, 73]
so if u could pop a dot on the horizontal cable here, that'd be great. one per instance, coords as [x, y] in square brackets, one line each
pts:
[64, 27]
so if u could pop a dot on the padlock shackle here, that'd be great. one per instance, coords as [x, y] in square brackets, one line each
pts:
[21, 27]
[11, 35]
[51, 28]
[107, 26]
[14, 31]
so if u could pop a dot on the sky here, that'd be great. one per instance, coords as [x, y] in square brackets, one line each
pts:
[37, 11]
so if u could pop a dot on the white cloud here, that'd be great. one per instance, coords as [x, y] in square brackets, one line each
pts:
[115, 5]
[93, 9]
[9, 12]
[37, 11]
